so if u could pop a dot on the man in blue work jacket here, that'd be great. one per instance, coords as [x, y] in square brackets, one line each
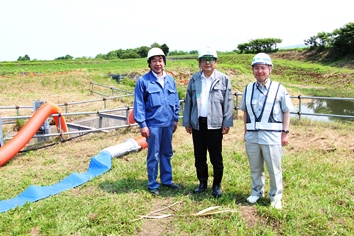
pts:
[156, 110]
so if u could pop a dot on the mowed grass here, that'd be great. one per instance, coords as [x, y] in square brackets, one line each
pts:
[318, 176]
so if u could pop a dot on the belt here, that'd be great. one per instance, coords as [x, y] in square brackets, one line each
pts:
[202, 119]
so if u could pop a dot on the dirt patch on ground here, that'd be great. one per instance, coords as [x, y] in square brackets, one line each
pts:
[250, 216]
[161, 226]
[321, 139]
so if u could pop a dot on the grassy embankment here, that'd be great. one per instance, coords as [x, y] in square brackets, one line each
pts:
[318, 164]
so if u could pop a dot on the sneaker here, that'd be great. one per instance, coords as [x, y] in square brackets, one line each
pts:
[171, 186]
[154, 191]
[276, 204]
[253, 199]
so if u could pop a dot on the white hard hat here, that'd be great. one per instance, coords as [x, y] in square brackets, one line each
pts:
[262, 58]
[207, 51]
[155, 52]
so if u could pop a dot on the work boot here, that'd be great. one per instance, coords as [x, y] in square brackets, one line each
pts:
[217, 183]
[202, 175]
[154, 191]
[216, 191]
[201, 188]
[171, 186]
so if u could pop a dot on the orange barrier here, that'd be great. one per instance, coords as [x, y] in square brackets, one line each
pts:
[11, 148]
[140, 140]
[131, 117]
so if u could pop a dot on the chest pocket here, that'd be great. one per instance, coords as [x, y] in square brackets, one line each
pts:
[153, 96]
[171, 97]
[218, 92]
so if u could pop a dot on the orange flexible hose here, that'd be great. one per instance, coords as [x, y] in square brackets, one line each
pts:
[12, 147]
[142, 142]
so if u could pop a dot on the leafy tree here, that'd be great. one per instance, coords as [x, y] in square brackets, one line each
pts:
[67, 57]
[24, 58]
[311, 42]
[321, 40]
[339, 43]
[178, 52]
[131, 54]
[344, 39]
[111, 55]
[140, 52]
[244, 47]
[155, 45]
[165, 49]
[260, 45]
[143, 51]
[99, 56]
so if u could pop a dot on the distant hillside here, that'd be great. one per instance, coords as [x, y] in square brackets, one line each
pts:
[293, 46]
[316, 56]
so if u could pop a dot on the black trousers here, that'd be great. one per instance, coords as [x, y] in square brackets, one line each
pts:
[209, 140]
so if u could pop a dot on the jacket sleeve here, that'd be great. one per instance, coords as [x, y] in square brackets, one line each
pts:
[139, 103]
[177, 104]
[228, 105]
[187, 109]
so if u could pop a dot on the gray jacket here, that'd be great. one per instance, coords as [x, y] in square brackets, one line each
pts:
[220, 109]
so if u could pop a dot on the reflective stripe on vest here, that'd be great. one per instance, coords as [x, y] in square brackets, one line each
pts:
[265, 121]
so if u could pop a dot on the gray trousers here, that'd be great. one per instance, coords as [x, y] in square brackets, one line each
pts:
[272, 156]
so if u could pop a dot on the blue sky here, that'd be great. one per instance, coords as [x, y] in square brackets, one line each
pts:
[47, 29]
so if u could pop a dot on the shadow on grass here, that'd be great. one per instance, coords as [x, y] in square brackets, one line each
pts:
[129, 185]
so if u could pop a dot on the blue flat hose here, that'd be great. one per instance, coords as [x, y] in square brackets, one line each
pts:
[98, 165]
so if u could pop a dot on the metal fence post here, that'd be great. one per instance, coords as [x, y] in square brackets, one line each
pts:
[45, 127]
[66, 107]
[100, 120]
[300, 104]
[236, 107]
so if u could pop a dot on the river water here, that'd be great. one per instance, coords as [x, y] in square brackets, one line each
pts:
[325, 106]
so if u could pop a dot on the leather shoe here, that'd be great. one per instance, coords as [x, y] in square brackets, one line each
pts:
[171, 186]
[217, 191]
[201, 188]
[154, 191]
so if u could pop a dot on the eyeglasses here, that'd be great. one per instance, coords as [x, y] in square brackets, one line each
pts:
[207, 59]
[260, 68]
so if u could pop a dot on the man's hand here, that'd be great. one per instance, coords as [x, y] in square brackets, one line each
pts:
[284, 139]
[225, 130]
[175, 126]
[189, 130]
[145, 132]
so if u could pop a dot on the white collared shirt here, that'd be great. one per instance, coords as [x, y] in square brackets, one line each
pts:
[160, 79]
[204, 96]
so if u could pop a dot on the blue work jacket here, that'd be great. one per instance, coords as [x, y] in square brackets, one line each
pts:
[154, 105]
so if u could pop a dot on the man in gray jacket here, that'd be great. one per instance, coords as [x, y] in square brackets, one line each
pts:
[208, 115]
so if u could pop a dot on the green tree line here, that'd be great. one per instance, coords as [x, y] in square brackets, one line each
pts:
[339, 43]
[139, 52]
[260, 45]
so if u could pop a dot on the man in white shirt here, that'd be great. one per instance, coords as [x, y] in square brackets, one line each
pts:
[208, 115]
